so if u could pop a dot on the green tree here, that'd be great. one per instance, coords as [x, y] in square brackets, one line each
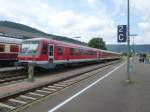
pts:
[97, 43]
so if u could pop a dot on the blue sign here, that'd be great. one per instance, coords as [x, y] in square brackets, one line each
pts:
[122, 33]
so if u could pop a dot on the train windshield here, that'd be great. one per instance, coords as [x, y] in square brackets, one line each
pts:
[29, 47]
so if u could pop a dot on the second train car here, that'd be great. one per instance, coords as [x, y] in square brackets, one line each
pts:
[9, 48]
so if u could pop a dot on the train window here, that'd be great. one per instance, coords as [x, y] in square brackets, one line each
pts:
[51, 50]
[81, 51]
[60, 51]
[78, 52]
[2, 47]
[94, 53]
[86, 52]
[91, 53]
[45, 49]
[72, 51]
[14, 48]
[29, 47]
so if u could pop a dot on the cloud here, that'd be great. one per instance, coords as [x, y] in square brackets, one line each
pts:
[64, 19]
[34, 14]
[92, 2]
[142, 7]
[144, 25]
[97, 20]
[39, 14]
[143, 39]
[118, 5]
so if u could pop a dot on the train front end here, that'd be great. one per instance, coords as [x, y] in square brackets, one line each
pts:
[29, 52]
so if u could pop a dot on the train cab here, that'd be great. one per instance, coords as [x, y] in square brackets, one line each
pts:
[38, 51]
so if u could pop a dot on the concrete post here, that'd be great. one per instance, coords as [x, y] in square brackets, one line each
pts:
[16, 65]
[31, 72]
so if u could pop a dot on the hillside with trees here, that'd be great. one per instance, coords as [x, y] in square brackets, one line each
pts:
[29, 29]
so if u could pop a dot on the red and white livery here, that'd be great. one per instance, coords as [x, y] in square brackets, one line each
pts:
[9, 48]
[48, 53]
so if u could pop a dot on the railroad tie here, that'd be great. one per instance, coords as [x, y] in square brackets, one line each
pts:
[7, 106]
[27, 97]
[55, 87]
[17, 101]
[50, 89]
[36, 94]
[44, 91]
[61, 85]
[65, 83]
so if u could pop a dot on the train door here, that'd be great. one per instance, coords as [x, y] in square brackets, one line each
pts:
[50, 53]
[99, 55]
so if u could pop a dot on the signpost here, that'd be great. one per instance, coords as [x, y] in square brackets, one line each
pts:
[122, 33]
[124, 36]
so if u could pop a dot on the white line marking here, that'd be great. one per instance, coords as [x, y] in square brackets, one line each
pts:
[86, 88]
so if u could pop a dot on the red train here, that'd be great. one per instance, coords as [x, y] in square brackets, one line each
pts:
[9, 48]
[48, 53]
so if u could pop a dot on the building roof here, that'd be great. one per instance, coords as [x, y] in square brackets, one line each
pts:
[4, 39]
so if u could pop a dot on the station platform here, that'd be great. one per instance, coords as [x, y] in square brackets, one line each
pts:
[17, 87]
[111, 94]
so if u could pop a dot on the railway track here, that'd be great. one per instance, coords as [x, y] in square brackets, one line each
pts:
[12, 75]
[18, 102]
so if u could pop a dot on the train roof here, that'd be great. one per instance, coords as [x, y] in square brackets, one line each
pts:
[10, 40]
[70, 44]
[32, 39]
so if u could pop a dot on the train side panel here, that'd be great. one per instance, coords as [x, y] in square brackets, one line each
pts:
[50, 53]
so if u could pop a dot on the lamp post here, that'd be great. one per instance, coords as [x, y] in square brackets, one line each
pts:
[128, 41]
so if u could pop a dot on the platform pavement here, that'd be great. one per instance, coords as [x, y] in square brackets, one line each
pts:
[112, 94]
[9, 69]
[22, 86]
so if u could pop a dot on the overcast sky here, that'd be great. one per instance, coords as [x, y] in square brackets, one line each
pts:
[80, 18]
